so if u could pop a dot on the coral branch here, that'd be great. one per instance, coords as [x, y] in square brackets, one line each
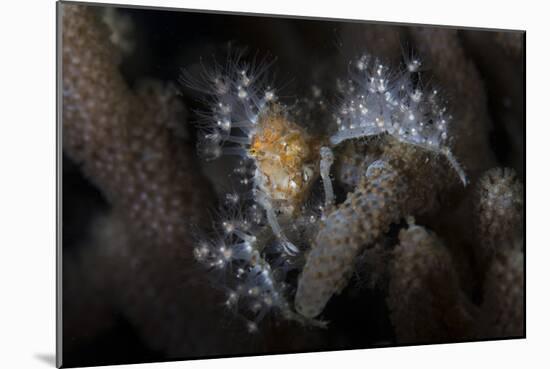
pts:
[123, 139]
[500, 233]
[391, 189]
[499, 208]
[277, 243]
[125, 144]
[364, 216]
[502, 311]
[425, 299]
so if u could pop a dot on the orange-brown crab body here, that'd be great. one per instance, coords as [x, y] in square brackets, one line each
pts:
[285, 156]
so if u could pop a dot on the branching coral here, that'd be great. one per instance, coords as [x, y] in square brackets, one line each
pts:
[425, 285]
[390, 189]
[324, 186]
[502, 311]
[404, 169]
[125, 144]
[364, 216]
[499, 56]
[410, 129]
[425, 298]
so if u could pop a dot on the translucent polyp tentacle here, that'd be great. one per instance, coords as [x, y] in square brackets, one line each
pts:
[455, 165]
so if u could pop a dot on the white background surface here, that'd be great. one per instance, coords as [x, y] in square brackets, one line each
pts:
[27, 182]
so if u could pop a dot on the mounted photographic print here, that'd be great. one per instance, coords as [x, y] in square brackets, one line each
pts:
[240, 184]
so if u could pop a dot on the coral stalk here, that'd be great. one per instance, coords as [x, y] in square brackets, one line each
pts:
[424, 296]
[364, 216]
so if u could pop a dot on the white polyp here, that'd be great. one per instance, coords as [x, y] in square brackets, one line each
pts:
[220, 86]
[232, 198]
[245, 80]
[254, 291]
[228, 227]
[269, 95]
[252, 327]
[232, 299]
[242, 94]
[201, 252]
[414, 65]
[226, 253]
[225, 124]
[225, 108]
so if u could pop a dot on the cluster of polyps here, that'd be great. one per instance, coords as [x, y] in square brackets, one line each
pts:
[245, 119]
[279, 165]
[237, 95]
[254, 289]
[281, 161]
[376, 101]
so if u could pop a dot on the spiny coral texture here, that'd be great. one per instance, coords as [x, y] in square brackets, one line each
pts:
[502, 310]
[390, 189]
[423, 281]
[127, 148]
[500, 232]
[403, 170]
[365, 215]
[124, 142]
[410, 130]
[425, 298]
[500, 210]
